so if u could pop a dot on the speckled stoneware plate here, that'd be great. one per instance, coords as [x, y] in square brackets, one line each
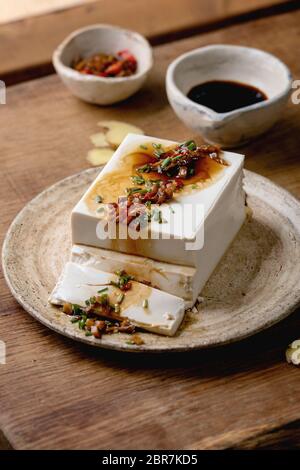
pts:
[255, 285]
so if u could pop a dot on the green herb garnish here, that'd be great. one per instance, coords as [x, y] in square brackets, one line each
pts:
[81, 323]
[156, 146]
[154, 181]
[123, 281]
[102, 290]
[166, 162]
[136, 190]
[158, 150]
[144, 147]
[88, 333]
[120, 298]
[76, 309]
[136, 179]
[144, 169]
[189, 144]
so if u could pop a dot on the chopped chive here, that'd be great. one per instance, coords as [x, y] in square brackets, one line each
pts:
[98, 199]
[148, 204]
[87, 303]
[93, 300]
[192, 145]
[158, 153]
[166, 162]
[136, 190]
[88, 333]
[154, 181]
[129, 342]
[145, 303]
[138, 179]
[194, 186]
[144, 169]
[189, 144]
[156, 146]
[76, 309]
[102, 290]
[81, 323]
[144, 147]
[120, 298]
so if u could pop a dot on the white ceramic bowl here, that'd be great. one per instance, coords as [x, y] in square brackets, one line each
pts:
[226, 62]
[108, 39]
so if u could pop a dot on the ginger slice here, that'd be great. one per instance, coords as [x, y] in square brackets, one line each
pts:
[99, 156]
[99, 140]
[116, 131]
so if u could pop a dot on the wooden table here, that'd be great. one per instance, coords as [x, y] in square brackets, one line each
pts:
[55, 393]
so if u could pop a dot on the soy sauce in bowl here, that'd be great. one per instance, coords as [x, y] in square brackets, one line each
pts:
[224, 96]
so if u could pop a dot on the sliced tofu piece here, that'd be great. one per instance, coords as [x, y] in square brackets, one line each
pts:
[174, 279]
[220, 204]
[78, 283]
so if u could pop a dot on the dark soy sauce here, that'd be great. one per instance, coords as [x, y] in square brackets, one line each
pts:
[223, 96]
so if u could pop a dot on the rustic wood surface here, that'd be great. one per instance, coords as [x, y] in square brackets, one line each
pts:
[55, 393]
[31, 41]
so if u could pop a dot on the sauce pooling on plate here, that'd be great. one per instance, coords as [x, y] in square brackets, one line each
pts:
[223, 95]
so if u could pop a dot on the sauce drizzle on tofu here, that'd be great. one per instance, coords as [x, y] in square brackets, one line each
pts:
[154, 158]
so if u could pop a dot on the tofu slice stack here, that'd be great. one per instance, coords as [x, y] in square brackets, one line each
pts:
[176, 274]
[163, 314]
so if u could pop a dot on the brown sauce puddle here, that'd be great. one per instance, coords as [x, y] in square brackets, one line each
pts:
[114, 184]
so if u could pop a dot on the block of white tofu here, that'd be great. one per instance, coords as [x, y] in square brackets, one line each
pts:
[78, 283]
[174, 279]
[220, 205]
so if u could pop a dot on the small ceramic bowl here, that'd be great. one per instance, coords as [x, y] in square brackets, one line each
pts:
[107, 39]
[224, 62]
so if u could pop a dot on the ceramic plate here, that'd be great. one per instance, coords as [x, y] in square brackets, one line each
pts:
[255, 285]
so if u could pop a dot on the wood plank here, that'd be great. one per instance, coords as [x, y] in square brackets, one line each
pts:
[287, 437]
[31, 41]
[58, 394]
[4, 444]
